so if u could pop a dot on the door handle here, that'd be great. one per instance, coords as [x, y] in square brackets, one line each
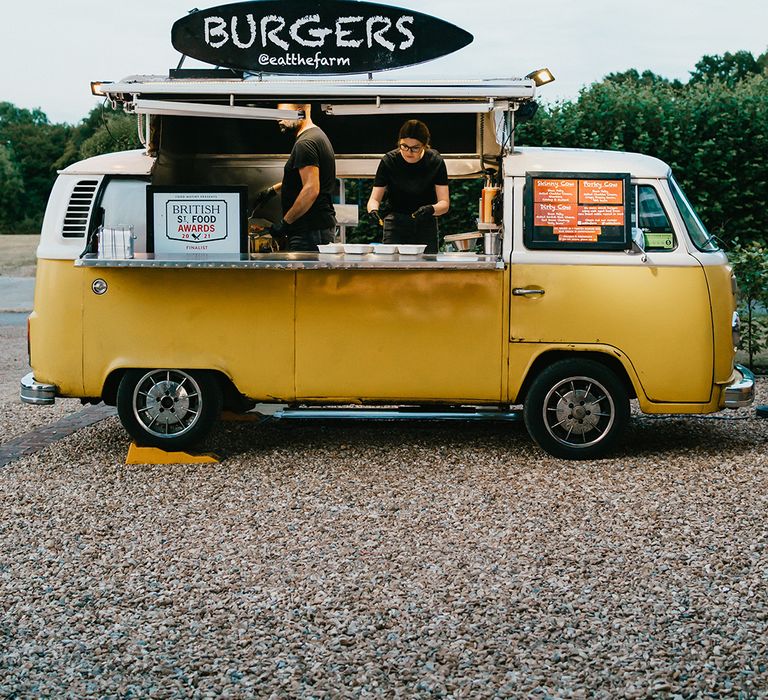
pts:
[525, 292]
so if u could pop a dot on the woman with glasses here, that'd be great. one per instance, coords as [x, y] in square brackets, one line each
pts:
[415, 180]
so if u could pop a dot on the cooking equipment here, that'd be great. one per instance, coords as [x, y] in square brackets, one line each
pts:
[492, 242]
[464, 241]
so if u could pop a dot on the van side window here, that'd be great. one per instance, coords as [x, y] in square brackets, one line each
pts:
[653, 220]
[124, 201]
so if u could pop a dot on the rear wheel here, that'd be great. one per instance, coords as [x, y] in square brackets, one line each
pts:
[576, 409]
[168, 408]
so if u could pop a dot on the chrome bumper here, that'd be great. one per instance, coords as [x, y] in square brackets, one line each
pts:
[36, 393]
[742, 392]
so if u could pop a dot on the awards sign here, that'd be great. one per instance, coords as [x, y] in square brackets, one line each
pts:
[314, 37]
[189, 220]
[578, 211]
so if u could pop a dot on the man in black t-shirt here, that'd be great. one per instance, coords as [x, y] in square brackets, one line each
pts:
[309, 180]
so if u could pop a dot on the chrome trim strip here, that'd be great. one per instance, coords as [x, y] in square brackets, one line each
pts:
[33, 392]
[395, 414]
[741, 392]
[304, 261]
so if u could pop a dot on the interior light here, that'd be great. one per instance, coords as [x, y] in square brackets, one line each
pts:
[541, 77]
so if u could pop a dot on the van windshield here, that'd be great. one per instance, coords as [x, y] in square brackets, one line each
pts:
[701, 238]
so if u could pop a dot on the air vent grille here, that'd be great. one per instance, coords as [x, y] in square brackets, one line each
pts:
[79, 209]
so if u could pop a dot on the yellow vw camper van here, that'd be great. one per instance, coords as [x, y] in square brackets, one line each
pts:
[593, 283]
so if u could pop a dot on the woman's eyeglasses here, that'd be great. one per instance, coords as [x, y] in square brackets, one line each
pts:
[405, 148]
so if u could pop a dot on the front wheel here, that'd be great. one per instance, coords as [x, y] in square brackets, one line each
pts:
[576, 409]
[168, 408]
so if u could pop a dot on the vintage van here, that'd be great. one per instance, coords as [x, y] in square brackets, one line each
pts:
[594, 281]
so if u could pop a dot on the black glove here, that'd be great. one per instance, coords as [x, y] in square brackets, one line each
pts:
[423, 212]
[263, 197]
[375, 218]
[280, 228]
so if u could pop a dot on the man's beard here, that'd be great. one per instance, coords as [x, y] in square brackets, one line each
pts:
[289, 128]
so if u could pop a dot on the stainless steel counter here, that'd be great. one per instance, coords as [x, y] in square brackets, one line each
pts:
[303, 261]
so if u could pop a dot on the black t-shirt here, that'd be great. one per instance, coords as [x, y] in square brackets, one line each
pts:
[312, 147]
[411, 185]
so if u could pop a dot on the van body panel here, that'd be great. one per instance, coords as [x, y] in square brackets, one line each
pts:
[53, 244]
[659, 317]
[522, 357]
[408, 335]
[239, 322]
[723, 302]
[135, 162]
[55, 327]
[587, 160]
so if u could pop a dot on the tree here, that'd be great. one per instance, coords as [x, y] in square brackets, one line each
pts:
[730, 68]
[32, 150]
[11, 191]
[102, 131]
[646, 78]
[117, 131]
[713, 134]
[33, 145]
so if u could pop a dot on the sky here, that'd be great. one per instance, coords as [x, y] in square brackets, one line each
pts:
[50, 50]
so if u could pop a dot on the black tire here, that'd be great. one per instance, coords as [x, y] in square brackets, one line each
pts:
[172, 409]
[560, 409]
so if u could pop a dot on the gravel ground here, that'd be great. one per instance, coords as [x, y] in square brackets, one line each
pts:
[17, 418]
[414, 560]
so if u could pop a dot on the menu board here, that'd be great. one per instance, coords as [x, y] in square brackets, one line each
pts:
[578, 211]
[194, 220]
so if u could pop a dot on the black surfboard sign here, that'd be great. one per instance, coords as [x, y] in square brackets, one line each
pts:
[314, 37]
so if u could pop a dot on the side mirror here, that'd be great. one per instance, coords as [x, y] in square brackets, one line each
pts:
[638, 244]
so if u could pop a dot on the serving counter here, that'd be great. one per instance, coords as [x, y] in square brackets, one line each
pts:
[302, 261]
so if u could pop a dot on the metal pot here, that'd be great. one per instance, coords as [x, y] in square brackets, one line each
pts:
[464, 241]
[492, 242]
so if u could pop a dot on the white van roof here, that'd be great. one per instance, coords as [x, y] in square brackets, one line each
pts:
[521, 161]
[529, 159]
[120, 163]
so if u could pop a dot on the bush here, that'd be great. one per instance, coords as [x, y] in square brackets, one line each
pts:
[750, 264]
[713, 133]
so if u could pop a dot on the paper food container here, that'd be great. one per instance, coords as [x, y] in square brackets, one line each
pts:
[410, 249]
[358, 248]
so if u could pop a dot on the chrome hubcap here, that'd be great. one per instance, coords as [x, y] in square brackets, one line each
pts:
[167, 402]
[578, 412]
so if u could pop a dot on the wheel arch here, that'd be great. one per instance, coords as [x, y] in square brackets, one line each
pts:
[608, 357]
[233, 399]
